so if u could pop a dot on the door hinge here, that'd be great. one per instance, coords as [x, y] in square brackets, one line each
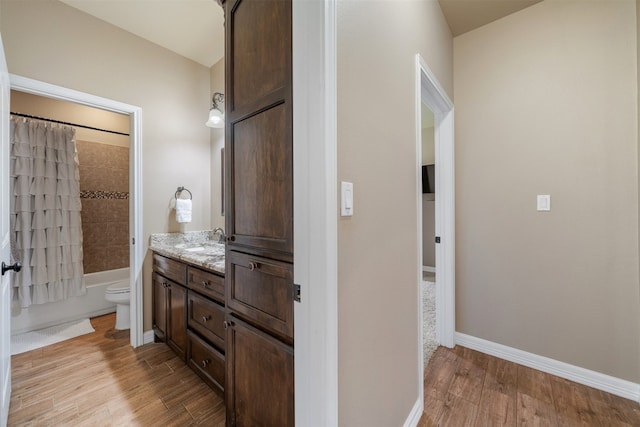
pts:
[437, 239]
[133, 240]
[296, 292]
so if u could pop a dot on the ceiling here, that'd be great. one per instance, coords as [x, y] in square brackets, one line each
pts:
[466, 15]
[195, 28]
[191, 28]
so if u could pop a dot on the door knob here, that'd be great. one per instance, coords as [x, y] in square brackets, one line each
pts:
[15, 267]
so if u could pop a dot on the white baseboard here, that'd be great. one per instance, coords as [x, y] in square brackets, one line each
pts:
[613, 385]
[414, 416]
[147, 337]
[428, 269]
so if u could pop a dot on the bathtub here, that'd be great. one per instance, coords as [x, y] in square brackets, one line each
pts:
[54, 313]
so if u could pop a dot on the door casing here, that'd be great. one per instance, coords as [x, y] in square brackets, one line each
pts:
[36, 87]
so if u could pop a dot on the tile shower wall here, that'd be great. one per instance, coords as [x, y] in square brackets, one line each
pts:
[104, 192]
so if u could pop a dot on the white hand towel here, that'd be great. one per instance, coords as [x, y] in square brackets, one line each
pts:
[183, 210]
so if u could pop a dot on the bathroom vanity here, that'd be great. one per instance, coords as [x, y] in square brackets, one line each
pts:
[188, 301]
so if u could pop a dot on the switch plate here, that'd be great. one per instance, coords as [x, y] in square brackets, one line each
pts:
[346, 199]
[544, 202]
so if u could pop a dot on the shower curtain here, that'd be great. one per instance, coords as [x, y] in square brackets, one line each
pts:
[46, 233]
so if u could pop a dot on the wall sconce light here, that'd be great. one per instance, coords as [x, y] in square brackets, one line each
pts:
[216, 116]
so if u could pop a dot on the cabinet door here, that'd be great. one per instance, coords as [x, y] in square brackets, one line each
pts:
[259, 386]
[159, 294]
[259, 136]
[177, 319]
[260, 290]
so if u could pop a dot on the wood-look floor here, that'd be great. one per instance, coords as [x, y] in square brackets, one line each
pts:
[99, 380]
[466, 388]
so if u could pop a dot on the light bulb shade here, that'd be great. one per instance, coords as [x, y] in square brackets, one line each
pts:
[216, 119]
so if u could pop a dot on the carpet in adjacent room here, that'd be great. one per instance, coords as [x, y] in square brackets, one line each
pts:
[428, 319]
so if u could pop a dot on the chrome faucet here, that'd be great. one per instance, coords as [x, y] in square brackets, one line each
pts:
[222, 236]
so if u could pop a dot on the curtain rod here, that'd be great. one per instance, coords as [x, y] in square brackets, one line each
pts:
[29, 116]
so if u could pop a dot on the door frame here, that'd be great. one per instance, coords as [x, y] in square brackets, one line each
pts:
[48, 90]
[430, 92]
[315, 176]
[5, 238]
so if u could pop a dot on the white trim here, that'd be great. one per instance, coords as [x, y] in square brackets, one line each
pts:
[428, 269]
[414, 416]
[148, 337]
[613, 385]
[36, 87]
[315, 207]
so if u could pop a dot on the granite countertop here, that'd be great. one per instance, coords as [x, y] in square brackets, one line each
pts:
[193, 247]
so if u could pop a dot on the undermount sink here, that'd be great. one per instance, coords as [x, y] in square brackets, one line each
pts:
[189, 248]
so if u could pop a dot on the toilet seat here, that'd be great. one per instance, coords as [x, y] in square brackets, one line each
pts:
[118, 288]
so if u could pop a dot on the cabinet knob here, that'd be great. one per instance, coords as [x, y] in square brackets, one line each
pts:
[165, 284]
[204, 363]
[231, 238]
[226, 324]
[205, 283]
[253, 265]
[205, 318]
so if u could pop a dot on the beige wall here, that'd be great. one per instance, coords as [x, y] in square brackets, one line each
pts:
[546, 103]
[54, 43]
[217, 143]
[378, 247]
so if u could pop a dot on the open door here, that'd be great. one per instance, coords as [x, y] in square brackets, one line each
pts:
[5, 247]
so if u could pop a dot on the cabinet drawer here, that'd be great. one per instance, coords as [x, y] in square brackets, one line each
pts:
[207, 318]
[206, 361]
[206, 283]
[169, 268]
[261, 290]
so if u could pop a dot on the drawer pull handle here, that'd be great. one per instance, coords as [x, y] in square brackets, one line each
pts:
[205, 318]
[205, 283]
[253, 266]
[204, 363]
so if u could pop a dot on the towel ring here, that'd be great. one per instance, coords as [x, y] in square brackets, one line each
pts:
[180, 190]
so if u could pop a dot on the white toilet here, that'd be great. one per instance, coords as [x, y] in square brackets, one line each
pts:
[118, 293]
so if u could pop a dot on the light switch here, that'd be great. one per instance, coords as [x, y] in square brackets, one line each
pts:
[346, 205]
[544, 202]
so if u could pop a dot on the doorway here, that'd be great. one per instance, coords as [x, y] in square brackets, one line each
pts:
[430, 94]
[429, 268]
[46, 90]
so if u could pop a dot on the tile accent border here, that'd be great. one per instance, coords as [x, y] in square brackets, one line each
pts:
[98, 194]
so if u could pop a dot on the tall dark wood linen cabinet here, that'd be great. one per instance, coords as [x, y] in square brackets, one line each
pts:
[259, 213]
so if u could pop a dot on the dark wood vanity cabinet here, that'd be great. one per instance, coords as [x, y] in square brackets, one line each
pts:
[170, 303]
[169, 313]
[259, 213]
[191, 318]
